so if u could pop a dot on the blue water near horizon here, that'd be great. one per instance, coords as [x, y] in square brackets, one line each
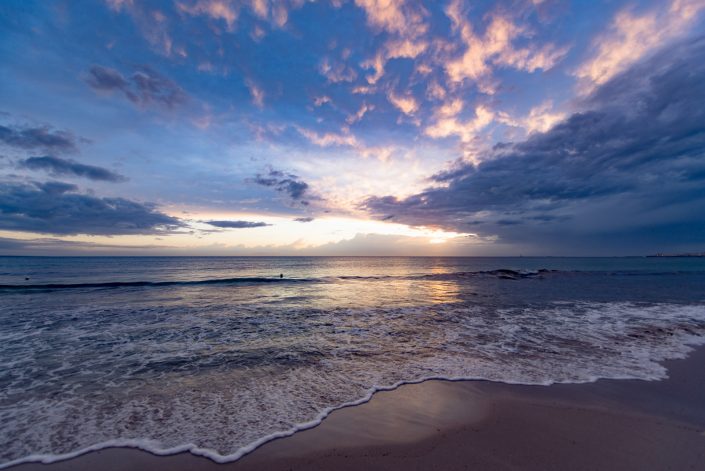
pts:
[216, 355]
[59, 269]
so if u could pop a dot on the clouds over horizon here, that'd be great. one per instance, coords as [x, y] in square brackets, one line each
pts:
[56, 208]
[627, 172]
[236, 224]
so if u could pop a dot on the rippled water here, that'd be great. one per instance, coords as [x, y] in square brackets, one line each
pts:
[216, 355]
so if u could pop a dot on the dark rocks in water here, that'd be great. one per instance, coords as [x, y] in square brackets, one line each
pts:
[506, 272]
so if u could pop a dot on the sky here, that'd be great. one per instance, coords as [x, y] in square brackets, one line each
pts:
[358, 127]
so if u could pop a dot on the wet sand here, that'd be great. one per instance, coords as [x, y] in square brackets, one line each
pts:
[606, 425]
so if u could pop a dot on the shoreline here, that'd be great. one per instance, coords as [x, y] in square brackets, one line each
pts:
[451, 423]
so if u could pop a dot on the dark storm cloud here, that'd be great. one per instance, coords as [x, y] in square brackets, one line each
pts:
[628, 172]
[306, 219]
[55, 208]
[236, 224]
[283, 182]
[144, 87]
[44, 138]
[56, 188]
[58, 166]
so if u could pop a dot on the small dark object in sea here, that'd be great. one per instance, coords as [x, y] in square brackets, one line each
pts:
[26, 278]
[281, 275]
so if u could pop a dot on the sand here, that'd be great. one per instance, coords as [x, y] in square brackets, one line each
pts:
[478, 425]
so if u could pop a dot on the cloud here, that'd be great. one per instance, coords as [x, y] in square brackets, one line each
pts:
[260, 8]
[346, 139]
[151, 22]
[56, 188]
[236, 224]
[329, 139]
[378, 62]
[58, 166]
[447, 123]
[56, 208]
[363, 90]
[321, 100]
[435, 90]
[51, 245]
[405, 48]
[624, 174]
[215, 9]
[42, 138]
[276, 12]
[394, 16]
[631, 36]
[386, 245]
[407, 104]
[256, 92]
[283, 182]
[393, 49]
[541, 118]
[144, 87]
[336, 72]
[494, 48]
[359, 114]
[407, 25]
[118, 5]
[304, 219]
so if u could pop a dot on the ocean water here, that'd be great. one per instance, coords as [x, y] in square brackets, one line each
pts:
[218, 355]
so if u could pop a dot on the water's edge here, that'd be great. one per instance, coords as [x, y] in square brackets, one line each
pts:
[149, 446]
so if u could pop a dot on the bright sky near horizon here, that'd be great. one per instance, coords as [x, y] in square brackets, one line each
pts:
[359, 127]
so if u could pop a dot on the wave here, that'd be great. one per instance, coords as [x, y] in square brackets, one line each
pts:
[502, 273]
[155, 448]
[138, 284]
[449, 342]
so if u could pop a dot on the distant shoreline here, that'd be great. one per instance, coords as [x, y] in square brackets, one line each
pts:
[677, 255]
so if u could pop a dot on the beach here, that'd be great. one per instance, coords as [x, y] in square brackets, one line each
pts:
[608, 424]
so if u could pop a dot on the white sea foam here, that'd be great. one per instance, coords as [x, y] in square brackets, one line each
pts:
[169, 378]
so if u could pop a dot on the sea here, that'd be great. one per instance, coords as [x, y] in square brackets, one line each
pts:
[217, 355]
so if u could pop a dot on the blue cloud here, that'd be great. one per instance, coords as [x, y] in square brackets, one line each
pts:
[55, 208]
[143, 87]
[283, 182]
[58, 166]
[43, 138]
[237, 224]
